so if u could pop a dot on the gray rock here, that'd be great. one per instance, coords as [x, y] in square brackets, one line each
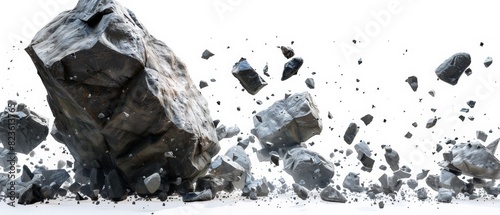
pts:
[310, 83]
[292, 68]
[362, 148]
[402, 173]
[450, 181]
[475, 160]
[54, 178]
[468, 71]
[438, 148]
[488, 62]
[30, 129]
[206, 54]
[432, 93]
[412, 183]
[413, 82]
[481, 135]
[431, 122]
[287, 51]
[308, 166]
[471, 103]
[392, 158]
[203, 84]
[330, 194]
[248, 77]
[390, 184]
[348, 152]
[213, 183]
[288, 122]
[239, 156]
[227, 169]
[351, 182]
[27, 174]
[422, 194]
[444, 195]
[367, 119]
[260, 187]
[433, 182]
[153, 182]
[301, 191]
[31, 195]
[350, 133]
[452, 68]
[107, 62]
[224, 132]
[204, 195]
[423, 174]
[491, 190]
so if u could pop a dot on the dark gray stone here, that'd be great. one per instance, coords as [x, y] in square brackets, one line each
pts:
[204, 195]
[301, 191]
[292, 68]
[423, 174]
[452, 68]
[488, 61]
[438, 148]
[351, 182]
[444, 195]
[432, 93]
[412, 183]
[350, 133]
[433, 182]
[450, 181]
[431, 122]
[30, 128]
[54, 178]
[367, 119]
[392, 158]
[248, 77]
[27, 174]
[31, 195]
[308, 166]
[422, 194]
[413, 82]
[310, 83]
[206, 54]
[287, 51]
[203, 84]
[471, 103]
[106, 63]
[330, 194]
[288, 122]
[481, 135]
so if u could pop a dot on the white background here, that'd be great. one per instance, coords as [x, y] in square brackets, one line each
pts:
[396, 39]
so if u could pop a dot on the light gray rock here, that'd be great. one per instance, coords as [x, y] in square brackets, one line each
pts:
[475, 160]
[444, 195]
[392, 158]
[309, 167]
[153, 182]
[330, 194]
[352, 183]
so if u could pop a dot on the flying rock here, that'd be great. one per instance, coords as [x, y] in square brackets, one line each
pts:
[206, 54]
[248, 77]
[308, 166]
[367, 119]
[488, 62]
[330, 194]
[392, 158]
[292, 68]
[287, 51]
[350, 133]
[452, 68]
[301, 191]
[444, 195]
[413, 82]
[310, 83]
[351, 182]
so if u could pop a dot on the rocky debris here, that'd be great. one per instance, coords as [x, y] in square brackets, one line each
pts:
[106, 74]
[5, 158]
[403, 172]
[31, 195]
[292, 68]
[474, 159]
[392, 158]
[422, 194]
[330, 194]
[408, 135]
[450, 181]
[223, 132]
[488, 62]
[412, 183]
[348, 152]
[287, 51]
[203, 84]
[259, 187]
[432, 93]
[413, 82]
[481, 135]
[390, 184]
[471, 103]
[351, 182]
[30, 128]
[206, 54]
[439, 148]
[288, 122]
[248, 77]
[444, 195]
[452, 68]
[360, 61]
[153, 182]
[350, 133]
[433, 182]
[301, 191]
[204, 195]
[308, 166]
[310, 83]
[423, 174]
[381, 204]
[54, 178]
[431, 122]
[225, 168]
[367, 119]
[115, 186]
[364, 154]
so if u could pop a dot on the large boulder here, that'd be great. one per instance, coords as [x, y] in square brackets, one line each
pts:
[288, 122]
[474, 159]
[121, 98]
[308, 168]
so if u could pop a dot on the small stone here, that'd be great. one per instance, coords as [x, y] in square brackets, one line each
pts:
[392, 158]
[431, 122]
[310, 83]
[438, 148]
[444, 195]
[203, 84]
[360, 61]
[422, 194]
[481, 135]
[350, 133]
[301, 191]
[367, 119]
[351, 182]
[432, 93]
[413, 82]
[412, 183]
[330, 194]
[292, 68]
[248, 77]
[488, 62]
[206, 54]
[471, 103]
[287, 52]
[452, 68]
[408, 135]
[381, 204]
[153, 182]
[468, 71]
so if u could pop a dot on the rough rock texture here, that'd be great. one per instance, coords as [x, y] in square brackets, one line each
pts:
[452, 68]
[288, 122]
[292, 68]
[475, 160]
[350, 133]
[30, 128]
[308, 166]
[248, 77]
[413, 82]
[301, 191]
[287, 51]
[121, 98]
[351, 182]
[331, 194]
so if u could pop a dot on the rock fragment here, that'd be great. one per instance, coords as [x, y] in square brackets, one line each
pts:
[330, 194]
[422, 194]
[301, 191]
[206, 54]
[481, 135]
[392, 158]
[367, 119]
[288, 122]
[350, 133]
[444, 195]
[310, 83]
[287, 51]
[308, 166]
[452, 68]
[433, 182]
[431, 123]
[352, 183]
[204, 195]
[31, 195]
[412, 183]
[292, 68]
[475, 160]
[203, 84]
[30, 128]
[488, 62]
[471, 103]
[413, 82]
[248, 77]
